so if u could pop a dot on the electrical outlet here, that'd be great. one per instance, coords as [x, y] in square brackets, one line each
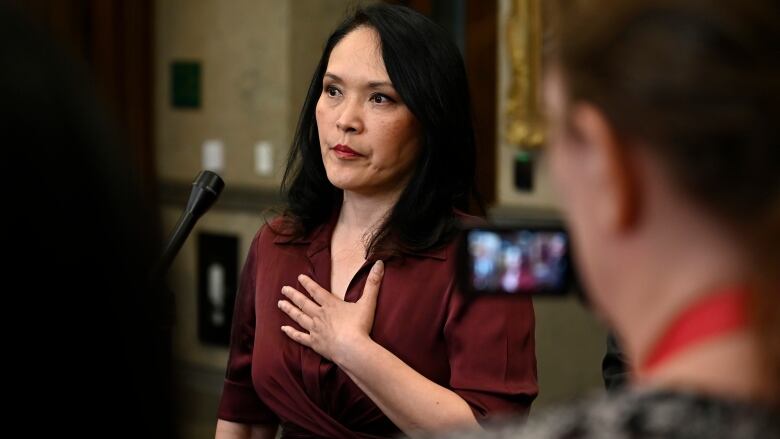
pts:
[214, 155]
[264, 162]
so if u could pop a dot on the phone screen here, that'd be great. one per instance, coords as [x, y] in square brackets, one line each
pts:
[521, 260]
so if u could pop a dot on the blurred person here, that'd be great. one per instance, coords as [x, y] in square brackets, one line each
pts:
[87, 335]
[665, 147]
[382, 159]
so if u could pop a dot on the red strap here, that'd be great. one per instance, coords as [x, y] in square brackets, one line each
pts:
[718, 314]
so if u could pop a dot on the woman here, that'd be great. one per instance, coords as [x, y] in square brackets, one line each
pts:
[383, 156]
[666, 150]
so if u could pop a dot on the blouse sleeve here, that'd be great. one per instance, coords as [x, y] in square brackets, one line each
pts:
[239, 402]
[490, 342]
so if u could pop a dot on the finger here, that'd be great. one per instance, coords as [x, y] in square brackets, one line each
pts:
[296, 335]
[296, 314]
[374, 281]
[300, 300]
[319, 294]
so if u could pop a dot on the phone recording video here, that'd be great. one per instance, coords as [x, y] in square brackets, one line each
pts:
[521, 260]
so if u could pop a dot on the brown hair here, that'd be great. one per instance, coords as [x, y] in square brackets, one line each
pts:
[699, 82]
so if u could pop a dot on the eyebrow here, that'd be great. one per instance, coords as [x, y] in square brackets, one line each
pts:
[371, 84]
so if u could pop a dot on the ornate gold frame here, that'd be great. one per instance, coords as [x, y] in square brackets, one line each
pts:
[524, 121]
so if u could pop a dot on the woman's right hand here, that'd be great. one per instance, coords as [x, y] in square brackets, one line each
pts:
[333, 328]
[233, 430]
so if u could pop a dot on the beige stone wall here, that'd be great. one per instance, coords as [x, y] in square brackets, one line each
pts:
[244, 50]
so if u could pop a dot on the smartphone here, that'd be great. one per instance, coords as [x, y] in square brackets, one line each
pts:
[522, 260]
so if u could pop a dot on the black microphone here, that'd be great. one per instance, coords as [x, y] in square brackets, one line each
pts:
[205, 191]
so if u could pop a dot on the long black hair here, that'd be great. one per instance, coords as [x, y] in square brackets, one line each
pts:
[427, 71]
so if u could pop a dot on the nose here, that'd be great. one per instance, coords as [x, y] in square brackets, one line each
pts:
[351, 118]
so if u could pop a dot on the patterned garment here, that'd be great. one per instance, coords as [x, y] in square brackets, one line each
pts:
[644, 414]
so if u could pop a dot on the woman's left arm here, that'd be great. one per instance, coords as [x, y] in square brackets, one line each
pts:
[340, 330]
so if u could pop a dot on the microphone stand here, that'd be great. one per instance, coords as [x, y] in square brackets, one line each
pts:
[205, 190]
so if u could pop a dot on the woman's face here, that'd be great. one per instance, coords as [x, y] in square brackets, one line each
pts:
[369, 139]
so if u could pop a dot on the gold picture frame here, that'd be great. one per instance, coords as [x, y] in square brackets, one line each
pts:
[524, 34]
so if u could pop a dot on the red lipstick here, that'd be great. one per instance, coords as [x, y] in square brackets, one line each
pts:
[345, 152]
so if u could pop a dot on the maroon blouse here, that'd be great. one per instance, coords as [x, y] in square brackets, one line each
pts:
[483, 350]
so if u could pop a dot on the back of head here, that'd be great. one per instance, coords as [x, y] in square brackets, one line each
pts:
[427, 71]
[92, 350]
[698, 82]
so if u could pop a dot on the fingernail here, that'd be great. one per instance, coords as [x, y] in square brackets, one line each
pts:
[279, 304]
[379, 267]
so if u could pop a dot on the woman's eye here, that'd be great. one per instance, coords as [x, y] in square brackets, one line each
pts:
[380, 99]
[332, 91]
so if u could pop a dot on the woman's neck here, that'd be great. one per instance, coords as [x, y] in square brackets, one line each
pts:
[365, 213]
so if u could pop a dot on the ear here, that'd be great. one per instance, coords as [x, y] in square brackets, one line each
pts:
[608, 168]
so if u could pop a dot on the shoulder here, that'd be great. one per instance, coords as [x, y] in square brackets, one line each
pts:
[460, 221]
[279, 229]
[271, 231]
[466, 220]
[448, 247]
